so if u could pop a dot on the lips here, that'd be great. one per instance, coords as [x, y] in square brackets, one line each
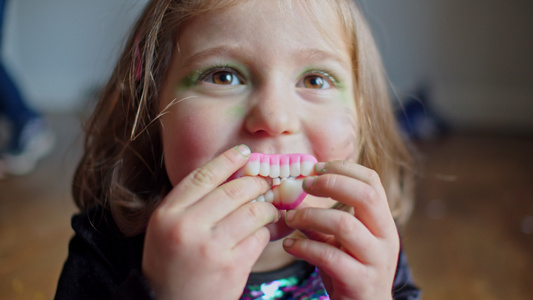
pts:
[285, 172]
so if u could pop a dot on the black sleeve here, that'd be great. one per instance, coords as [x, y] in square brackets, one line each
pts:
[404, 287]
[101, 264]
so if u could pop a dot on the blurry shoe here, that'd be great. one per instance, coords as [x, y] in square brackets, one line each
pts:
[34, 142]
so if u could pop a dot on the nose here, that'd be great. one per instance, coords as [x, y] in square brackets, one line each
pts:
[273, 112]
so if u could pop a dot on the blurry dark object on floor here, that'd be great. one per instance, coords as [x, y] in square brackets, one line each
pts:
[417, 119]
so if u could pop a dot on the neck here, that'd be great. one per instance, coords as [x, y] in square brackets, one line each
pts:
[273, 258]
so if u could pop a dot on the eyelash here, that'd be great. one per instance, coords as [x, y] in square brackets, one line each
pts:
[202, 75]
[223, 68]
[328, 75]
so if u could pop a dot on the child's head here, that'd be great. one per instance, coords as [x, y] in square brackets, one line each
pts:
[198, 77]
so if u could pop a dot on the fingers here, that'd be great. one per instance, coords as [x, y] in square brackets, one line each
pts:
[207, 177]
[245, 222]
[228, 197]
[253, 245]
[352, 170]
[336, 228]
[327, 257]
[365, 194]
[222, 211]
[341, 246]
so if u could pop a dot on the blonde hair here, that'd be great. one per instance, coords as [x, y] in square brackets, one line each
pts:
[122, 168]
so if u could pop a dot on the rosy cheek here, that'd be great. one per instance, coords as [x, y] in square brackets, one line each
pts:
[190, 141]
[336, 138]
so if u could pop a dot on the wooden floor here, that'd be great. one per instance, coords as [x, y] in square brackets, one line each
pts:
[470, 236]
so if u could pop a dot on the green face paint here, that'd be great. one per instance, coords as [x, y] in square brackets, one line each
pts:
[237, 112]
[188, 81]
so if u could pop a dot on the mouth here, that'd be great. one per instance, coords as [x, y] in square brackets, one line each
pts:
[285, 173]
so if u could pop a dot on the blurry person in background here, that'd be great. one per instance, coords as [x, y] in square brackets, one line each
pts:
[29, 138]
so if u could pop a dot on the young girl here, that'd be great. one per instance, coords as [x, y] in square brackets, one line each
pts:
[201, 85]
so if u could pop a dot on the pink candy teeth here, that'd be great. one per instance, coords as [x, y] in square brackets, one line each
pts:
[287, 172]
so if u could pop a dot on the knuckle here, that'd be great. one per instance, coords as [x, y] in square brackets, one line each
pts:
[304, 215]
[369, 195]
[329, 181]
[345, 223]
[179, 234]
[258, 211]
[157, 217]
[345, 165]
[373, 177]
[204, 177]
[237, 189]
[261, 237]
[182, 230]
[231, 157]
[208, 253]
[232, 190]
[254, 211]
[327, 256]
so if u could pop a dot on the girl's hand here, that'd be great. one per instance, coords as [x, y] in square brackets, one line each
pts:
[204, 238]
[356, 253]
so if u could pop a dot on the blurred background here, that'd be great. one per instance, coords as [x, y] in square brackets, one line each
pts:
[461, 75]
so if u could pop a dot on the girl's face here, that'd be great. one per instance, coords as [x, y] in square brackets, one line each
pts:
[264, 76]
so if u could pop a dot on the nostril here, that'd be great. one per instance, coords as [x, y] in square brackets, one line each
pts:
[270, 132]
[266, 125]
[261, 133]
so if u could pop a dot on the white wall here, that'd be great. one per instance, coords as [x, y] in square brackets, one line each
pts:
[477, 56]
[60, 50]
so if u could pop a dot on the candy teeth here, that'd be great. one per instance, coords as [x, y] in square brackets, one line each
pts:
[264, 169]
[288, 195]
[306, 168]
[278, 165]
[291, 194]
[251, 168]
[285, 172]
[275, 171]
[295, 169]
[261, 198]
[269, 196]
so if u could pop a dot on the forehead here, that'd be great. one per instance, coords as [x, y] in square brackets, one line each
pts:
[273, 22]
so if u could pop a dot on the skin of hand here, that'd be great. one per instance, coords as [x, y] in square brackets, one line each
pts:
[357, 252]
[204, 238]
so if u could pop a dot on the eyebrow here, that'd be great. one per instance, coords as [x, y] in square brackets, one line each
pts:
[221, 51]
[313, 54]
[302, 54]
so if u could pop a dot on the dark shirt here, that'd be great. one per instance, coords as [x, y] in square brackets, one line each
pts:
[103, 264]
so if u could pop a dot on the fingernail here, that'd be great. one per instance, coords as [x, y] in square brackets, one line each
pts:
[308, 182]
[289, 216]
[320, 167]
[244, 150]
[287, 243]
[278, 217]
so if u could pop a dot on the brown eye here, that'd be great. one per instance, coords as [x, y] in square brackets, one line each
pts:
[315, 81]
[222, 77]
